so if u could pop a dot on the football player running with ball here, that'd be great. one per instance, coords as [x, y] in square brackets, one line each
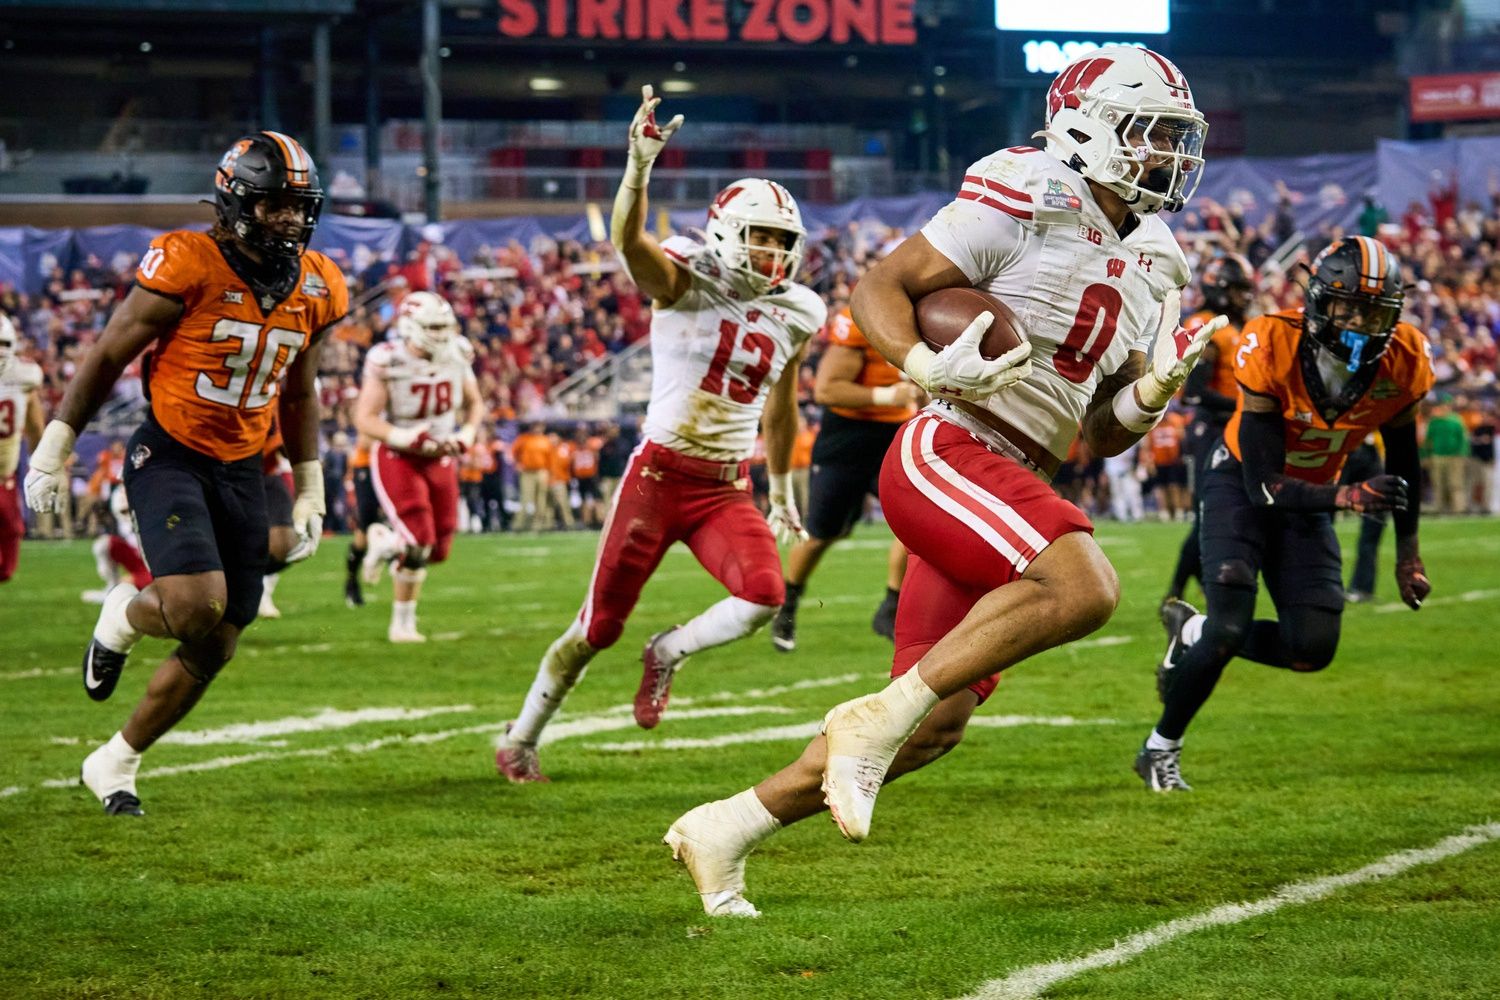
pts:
[1001, 568]
[728, 328]
[1313, 383]
[410, 398]
[233, 319]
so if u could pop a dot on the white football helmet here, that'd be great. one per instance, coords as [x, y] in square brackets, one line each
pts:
[426, 322]
[8, 338]
[756, 202]
[1124, 117]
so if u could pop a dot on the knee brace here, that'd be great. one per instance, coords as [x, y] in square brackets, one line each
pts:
[412, 576]
[204, 660]
[1234, 573]
[1312, 637]
[414, 557]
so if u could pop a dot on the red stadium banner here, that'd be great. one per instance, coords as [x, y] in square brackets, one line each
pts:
[796, 22]
[1455, 97]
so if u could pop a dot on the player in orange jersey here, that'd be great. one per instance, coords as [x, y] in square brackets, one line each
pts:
[866, 399]
[233, 319]
[1228, 285]
[1313, 382]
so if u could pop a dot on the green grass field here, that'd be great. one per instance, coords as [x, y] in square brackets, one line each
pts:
[360, 853]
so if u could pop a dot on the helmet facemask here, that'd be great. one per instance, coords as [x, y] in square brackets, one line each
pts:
[427, 323]
[1353, 327]
[245, 221]
[738, 222]
[1157, 159]
[264, 174]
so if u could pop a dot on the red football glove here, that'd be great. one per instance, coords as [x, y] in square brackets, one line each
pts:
[1376, 493]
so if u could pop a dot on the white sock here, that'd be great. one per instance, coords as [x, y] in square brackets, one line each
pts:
[750, 815]
[126, 757]
[910, 700]
[1192, 629]
[732, 618]
[562, 667]
[404, 614]
[268, 583]
[1156, 741]
[113, 630]
[103, 564]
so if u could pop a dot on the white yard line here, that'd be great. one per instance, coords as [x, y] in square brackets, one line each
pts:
[323, 721]
[807, 730]
[1464, 598]
[26, 675]
[1100, 643]
[1034, 980]
[586, 725]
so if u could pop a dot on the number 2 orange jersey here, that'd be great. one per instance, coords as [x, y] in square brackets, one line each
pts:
[1267, 362]
[215, 377]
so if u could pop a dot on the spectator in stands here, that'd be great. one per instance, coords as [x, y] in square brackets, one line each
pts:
[1446, 444]
[532, 454]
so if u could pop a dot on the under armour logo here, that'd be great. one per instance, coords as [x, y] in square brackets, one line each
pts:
[650, 473]
[1114, 267]
[1144, 261]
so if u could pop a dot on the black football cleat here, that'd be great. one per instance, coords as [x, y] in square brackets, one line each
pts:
[123, 804]
[102, 667]
[784, 629]
[1174, 615]
[1161, 770]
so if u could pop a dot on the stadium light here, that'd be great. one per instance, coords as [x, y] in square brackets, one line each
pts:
[1140, 17]
[678, 86]
[545, 84]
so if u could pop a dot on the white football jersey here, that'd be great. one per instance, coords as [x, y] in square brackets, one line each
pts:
[421, 390]
[17, 384]
[716, 352]
[1026, 229]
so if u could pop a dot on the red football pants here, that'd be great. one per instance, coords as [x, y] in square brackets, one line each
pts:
[12, 528]
[972, 521]
[419, 497]
[666, 497]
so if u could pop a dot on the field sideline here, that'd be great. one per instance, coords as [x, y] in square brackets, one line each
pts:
[328, 822]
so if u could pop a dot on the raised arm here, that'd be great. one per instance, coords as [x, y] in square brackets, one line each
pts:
[652, 270]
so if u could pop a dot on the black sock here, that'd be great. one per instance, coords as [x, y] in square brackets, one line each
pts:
[793, 595]
[892, 595]
[353, 559]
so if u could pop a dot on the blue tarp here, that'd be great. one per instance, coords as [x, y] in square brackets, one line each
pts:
[1325, 190]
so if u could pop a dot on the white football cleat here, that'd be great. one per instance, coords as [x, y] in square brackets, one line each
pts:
[862, 742]
[404, 633]
[268, 608]
[697, 840]
[381, 544]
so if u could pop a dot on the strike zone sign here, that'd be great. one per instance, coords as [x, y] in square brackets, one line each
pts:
[798, 22]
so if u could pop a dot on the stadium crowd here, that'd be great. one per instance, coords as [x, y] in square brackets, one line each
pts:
[538, 314]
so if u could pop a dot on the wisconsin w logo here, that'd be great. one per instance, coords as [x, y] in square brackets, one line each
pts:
[1066, 89]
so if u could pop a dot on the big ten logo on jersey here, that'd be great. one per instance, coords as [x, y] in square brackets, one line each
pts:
[151, 262]
[1087, 232]
[741, 382]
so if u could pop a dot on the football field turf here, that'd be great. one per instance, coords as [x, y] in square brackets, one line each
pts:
[328, 822]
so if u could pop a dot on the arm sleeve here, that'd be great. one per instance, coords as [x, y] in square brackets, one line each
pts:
[1263, 455]
[1403, 459]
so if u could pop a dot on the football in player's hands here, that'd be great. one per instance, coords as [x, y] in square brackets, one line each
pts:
[943, 315]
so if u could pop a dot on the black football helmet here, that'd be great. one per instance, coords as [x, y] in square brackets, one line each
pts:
[1354, 297]
[268, 165]
[1224, 276]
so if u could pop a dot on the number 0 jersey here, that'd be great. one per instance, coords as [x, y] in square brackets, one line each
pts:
[421, 390]
[1026, 229]
[1268, 362]
[17, 383]
[214, 377]
[716, 352]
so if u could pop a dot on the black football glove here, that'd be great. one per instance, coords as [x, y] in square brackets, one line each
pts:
[1377, 493]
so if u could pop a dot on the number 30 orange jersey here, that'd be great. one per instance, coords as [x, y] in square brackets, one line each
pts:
[1267, 362]
[214, 378]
